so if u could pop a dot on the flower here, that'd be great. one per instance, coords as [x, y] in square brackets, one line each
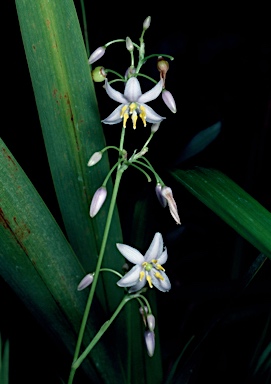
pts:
[147, 268]
[168, 195]
[150, 342]
[133, 103]
[97, 201]
[85, 282]
[96, 55]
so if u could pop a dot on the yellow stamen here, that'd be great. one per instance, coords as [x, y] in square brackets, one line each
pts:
[123, 110]
[149, 281]
[125, 118]
[133, 107]
[134, 119]
[141, 275]
[143, 115]
[154, 261]
[144, 263]
[158, 276]
[158, 266]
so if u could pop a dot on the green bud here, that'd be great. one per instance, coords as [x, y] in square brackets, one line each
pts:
[98, 74]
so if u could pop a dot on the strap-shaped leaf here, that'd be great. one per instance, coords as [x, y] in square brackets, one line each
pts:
[39, 264]
[229, 201]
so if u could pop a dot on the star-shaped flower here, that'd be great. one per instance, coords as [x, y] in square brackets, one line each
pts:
[147, 268]
[132, 102]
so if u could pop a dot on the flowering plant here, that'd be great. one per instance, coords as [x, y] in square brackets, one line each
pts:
[93, 284]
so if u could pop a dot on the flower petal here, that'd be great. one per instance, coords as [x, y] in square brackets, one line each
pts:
[151, 115]
[152, 94]
[155, 249]
[163, 258]
[115, 95]
[163, 285]
[114, 117]
[138, 285]
[132, 89]
[131, 277]
[130, 253]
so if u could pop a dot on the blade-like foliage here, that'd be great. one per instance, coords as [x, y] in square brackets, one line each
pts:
[229, 201]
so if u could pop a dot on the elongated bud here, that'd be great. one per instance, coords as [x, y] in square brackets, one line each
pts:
[169, 100]
[151, 322]
[97, 201]
[129, 44]
[129, 72]
[85, 282]
[96, 55]
[167, 193]
[147, 23]
[98, 74]
[162, 200]
[95, 158]
[143, 313]
[150, 342]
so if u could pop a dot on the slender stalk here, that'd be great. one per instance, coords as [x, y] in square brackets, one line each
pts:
[85, 26]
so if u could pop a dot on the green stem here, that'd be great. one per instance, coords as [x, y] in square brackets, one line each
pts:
[99, 262]
[85, 26]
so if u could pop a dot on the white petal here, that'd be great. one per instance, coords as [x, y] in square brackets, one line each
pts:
[132, 89]
[155, 249]
[138, 285]
[151, 115]
[130, 253]
[115, 95]
[152, 94]
[162, 285]
[163, 258]
[131, 277]
[114, 117]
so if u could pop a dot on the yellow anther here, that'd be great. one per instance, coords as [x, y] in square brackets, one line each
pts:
[123, 110]
[125, 118]
[154, 261]
[158, 276]
[141, 275]
[134, 119]
[143, 115]
[149, 281]
[158, 266]
[144, 263]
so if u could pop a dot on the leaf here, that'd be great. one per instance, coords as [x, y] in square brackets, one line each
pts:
[230, 202]
[40, 266]
[4, 362]
[199, 142]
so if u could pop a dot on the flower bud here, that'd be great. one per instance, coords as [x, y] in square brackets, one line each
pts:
[85, 282]
[150, 342]
[129, 44]
[162, 200]
[151, 322]
[169, 100]
[147, 23]
[129, 72]
[97, 201]
[162, 66]
[167, 194]
[96, 55]
[143, 313]
[95, 158]
[98, 74]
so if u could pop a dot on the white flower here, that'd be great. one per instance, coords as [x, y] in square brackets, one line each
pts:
[132, 102]
[147, 268]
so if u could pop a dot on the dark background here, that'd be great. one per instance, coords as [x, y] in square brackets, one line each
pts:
[221, 72]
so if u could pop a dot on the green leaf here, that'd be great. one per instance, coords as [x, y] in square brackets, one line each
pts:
[40, 266]
[4, 362]
[71, 127]
[230, 202]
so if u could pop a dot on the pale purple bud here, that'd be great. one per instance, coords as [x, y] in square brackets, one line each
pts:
[95, 158]
[151, 322]
[169, 100]
[129, 44]
[167, 193]
[155, 127]
[162, 200]
[97, 201]
[85, 282]
[150, 342]
[147, 23]
[129, 72]
[143, 311]
[96, 55]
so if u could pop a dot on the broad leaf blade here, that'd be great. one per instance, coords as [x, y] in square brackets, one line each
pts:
[229, 201]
